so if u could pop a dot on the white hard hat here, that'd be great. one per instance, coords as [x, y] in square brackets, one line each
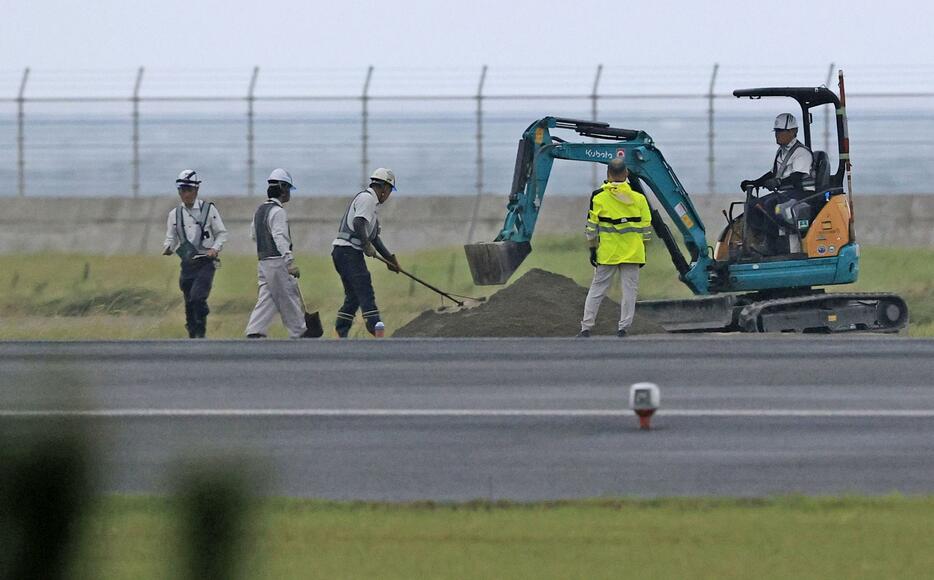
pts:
[188, 178]
[279, 174]
[383, 174]
[785, 121]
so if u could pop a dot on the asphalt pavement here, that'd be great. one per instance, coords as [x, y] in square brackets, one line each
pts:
[520, 419]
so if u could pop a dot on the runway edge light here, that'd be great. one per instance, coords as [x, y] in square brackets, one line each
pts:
[644, 399]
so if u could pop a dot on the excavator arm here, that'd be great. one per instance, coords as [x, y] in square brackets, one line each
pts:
[494, 262]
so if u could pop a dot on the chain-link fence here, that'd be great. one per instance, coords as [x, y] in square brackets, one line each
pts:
[451, 131]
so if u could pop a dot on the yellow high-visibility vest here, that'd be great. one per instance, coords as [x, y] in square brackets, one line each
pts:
[620, 218]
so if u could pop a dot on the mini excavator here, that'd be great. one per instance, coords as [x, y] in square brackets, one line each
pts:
[739, 288]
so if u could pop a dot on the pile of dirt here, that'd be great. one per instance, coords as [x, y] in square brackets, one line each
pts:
[539, 303]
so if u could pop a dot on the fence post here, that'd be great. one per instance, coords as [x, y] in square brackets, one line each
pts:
[828, 111]
[365, 137]
[21, 135]
[250, 135]
[594, 97]
[476, 205]
[711, 159]
[135, 99]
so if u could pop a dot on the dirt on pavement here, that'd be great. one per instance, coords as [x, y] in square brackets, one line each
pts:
[539, 303]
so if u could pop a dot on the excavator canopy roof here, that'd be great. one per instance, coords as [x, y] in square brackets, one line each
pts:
[807, 97]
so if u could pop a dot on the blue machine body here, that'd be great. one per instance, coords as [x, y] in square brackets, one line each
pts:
[699, 271]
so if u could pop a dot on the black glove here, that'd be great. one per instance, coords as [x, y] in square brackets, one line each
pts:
[772, 183]
[593, 257]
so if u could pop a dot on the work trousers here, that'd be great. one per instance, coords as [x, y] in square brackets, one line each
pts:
[762, 219]
[358, 290]
[195, 281]
[602, 278]
[278, 292]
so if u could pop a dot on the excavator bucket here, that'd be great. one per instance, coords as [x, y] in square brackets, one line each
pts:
[494, 262]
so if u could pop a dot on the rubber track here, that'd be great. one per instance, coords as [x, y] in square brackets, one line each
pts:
[748, 317]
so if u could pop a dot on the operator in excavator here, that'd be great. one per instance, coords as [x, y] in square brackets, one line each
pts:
[792, 165]
[618, 221]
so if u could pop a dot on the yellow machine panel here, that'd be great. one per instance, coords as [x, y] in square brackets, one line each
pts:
[830, 230]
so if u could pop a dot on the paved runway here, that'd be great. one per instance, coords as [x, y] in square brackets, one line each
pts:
[514, 418]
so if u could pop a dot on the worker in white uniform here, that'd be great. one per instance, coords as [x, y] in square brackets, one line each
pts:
[791, 166]
[194, 230]
[277, 272]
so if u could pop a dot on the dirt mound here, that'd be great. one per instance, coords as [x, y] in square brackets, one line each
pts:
[539, 303]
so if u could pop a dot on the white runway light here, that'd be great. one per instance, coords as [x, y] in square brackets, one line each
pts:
[644, 399]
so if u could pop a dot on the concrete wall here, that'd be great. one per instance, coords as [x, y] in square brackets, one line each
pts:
[131, 226]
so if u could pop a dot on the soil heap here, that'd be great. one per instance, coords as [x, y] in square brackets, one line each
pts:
[539, 303]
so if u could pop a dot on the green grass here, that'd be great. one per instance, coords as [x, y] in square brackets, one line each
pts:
[780, 538]
[61, 296]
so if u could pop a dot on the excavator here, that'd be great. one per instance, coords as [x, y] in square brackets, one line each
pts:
[738, 287]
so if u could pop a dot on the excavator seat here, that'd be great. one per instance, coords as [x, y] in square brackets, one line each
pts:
[821, 171]
[798, 214]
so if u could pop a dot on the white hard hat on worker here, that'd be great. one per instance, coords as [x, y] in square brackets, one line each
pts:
[385, 175]
[280, 175]
[187, 178]
[785, 122]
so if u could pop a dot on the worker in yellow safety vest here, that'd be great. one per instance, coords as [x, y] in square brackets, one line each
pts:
[618, 222]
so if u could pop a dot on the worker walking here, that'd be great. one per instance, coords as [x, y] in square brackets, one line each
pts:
[277, 273]
[618, 222]
[194, 230]
[358, 235]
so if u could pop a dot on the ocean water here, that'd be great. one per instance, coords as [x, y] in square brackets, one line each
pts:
[432, 150]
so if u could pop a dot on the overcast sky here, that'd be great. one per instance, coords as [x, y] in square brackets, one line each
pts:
[301, 33]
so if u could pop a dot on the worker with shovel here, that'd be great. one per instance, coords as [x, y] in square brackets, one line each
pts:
[358, 235]
[194, 231]
[277, 272]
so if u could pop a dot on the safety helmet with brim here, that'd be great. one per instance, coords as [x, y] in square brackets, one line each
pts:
[282, 176]
[785, 122]
[386, 176]
[187, 178]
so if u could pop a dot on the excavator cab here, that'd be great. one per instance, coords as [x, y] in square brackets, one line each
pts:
[813, 223]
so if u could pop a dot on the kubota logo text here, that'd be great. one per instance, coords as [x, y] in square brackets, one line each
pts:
[597, 154]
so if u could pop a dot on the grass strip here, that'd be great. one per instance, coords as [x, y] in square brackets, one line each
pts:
[782, 537]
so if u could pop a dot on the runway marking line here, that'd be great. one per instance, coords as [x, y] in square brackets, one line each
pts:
[246, 413]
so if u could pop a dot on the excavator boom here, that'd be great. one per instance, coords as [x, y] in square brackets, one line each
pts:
[494, 262]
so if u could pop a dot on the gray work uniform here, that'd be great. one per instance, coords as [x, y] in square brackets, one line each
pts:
[602, 279]
[364, 205]
[792, 158]
[201, 225]
[278, 290]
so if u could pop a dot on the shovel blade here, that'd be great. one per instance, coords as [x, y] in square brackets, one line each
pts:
[494, 262]
[313, 328]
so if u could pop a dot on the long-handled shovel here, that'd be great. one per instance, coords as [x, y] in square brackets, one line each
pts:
[313, 328]
[447, 295]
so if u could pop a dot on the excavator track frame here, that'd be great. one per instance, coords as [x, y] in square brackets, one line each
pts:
[812, 311]
[833, 312]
